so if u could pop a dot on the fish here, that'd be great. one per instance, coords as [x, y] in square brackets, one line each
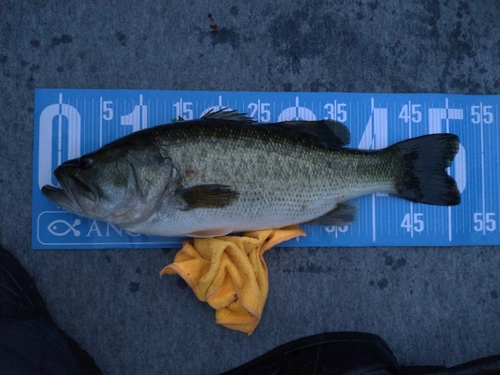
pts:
[225, 173]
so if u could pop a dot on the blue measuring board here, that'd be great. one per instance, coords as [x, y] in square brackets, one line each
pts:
[70, 123]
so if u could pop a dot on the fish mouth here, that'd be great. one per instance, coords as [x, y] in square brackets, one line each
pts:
[73, 192]
[61, 199]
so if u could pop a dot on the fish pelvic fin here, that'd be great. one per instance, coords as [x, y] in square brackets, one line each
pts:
[206, 196]
[217, 232]
[422, 173]
[344, 213]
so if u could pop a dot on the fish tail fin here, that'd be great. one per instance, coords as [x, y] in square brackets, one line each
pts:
[422, 175]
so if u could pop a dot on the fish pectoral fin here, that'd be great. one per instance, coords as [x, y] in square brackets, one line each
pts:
[206, 196]
[343, 214]
[225, 114]
[328, 132]
[218, 232]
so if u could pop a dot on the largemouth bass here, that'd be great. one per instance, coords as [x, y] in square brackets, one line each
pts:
[223, 173]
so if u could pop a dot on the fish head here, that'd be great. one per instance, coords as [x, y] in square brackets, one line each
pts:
[120, 183]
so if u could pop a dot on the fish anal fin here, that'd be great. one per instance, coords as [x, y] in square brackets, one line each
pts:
[343, 214]
[217, 232]
[207, 196]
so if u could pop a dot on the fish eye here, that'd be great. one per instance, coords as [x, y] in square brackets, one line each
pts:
[85, 162]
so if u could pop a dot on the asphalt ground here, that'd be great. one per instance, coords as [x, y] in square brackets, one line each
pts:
[434, 306]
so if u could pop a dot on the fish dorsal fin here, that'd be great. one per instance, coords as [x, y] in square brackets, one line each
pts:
[328, 132]
[224, 114]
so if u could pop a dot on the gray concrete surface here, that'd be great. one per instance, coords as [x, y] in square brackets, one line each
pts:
[432, 305]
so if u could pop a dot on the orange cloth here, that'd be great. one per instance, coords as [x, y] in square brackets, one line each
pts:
[230, 273]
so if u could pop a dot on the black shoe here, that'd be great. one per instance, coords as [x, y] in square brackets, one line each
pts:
[19, 298]
[30, 342]
[327, 353]
[349, 353]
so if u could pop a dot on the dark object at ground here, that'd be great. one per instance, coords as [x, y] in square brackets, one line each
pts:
[30, 342]
[344, 353]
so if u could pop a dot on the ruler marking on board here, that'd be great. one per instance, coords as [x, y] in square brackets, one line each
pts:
[447, 122]
[483, 200]
[100, 121]
[372, 136]
[498, 158]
